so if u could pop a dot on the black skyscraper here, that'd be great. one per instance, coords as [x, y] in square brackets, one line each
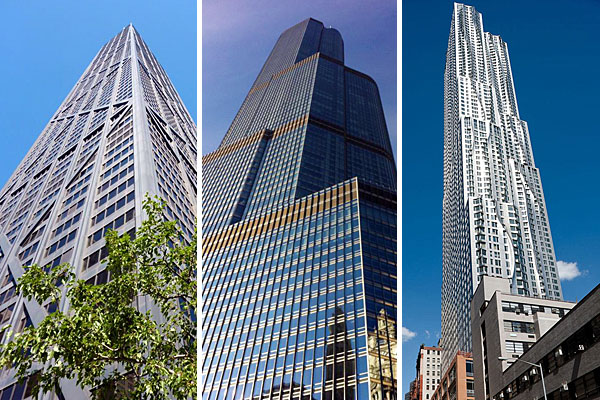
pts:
[299, 224]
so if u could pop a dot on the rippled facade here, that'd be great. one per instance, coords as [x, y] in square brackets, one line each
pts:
[299, 234]
[495, 220]
[122, 132]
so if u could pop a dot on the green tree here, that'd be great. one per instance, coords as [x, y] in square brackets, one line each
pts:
[103, 341]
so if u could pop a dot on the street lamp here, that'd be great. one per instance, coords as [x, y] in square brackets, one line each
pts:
[535, 365]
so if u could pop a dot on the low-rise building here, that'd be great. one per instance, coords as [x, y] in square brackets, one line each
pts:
[569, 354]
[412, 391]
[504, 327]
[429, 364]
[457, 383]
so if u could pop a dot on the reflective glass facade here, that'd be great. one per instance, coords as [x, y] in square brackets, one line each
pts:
[121, 132]
[299, 234]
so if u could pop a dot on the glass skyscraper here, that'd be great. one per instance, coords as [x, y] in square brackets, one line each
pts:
[495, 220]
[299, 234]
[122, 132]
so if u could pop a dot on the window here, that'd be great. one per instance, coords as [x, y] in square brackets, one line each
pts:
[469, 367]
[470, 388]
[517, 347]
[519, 326]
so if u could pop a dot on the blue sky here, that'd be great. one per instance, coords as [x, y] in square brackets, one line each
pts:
[555, 53]
[46, 46]
[237, 37]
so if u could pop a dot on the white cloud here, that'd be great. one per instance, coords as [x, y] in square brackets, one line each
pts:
[407, 334]
[428, 334]
[568, 270]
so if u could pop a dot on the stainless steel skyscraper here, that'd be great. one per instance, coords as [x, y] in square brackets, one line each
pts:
[299, 236]
[494, 213]
[122, 132]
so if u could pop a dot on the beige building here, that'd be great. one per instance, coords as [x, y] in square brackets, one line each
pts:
[506, 325]
[429, 367]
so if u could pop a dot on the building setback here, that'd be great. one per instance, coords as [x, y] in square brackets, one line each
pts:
[122, 132]
[299, 233]
[506, 325]
[495, 221]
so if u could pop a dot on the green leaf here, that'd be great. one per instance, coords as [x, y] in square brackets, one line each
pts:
[103, 338]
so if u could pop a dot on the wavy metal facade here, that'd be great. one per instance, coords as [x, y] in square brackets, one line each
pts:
[495, 220]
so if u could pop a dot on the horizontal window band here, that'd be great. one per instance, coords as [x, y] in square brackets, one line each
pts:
[339, 194]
